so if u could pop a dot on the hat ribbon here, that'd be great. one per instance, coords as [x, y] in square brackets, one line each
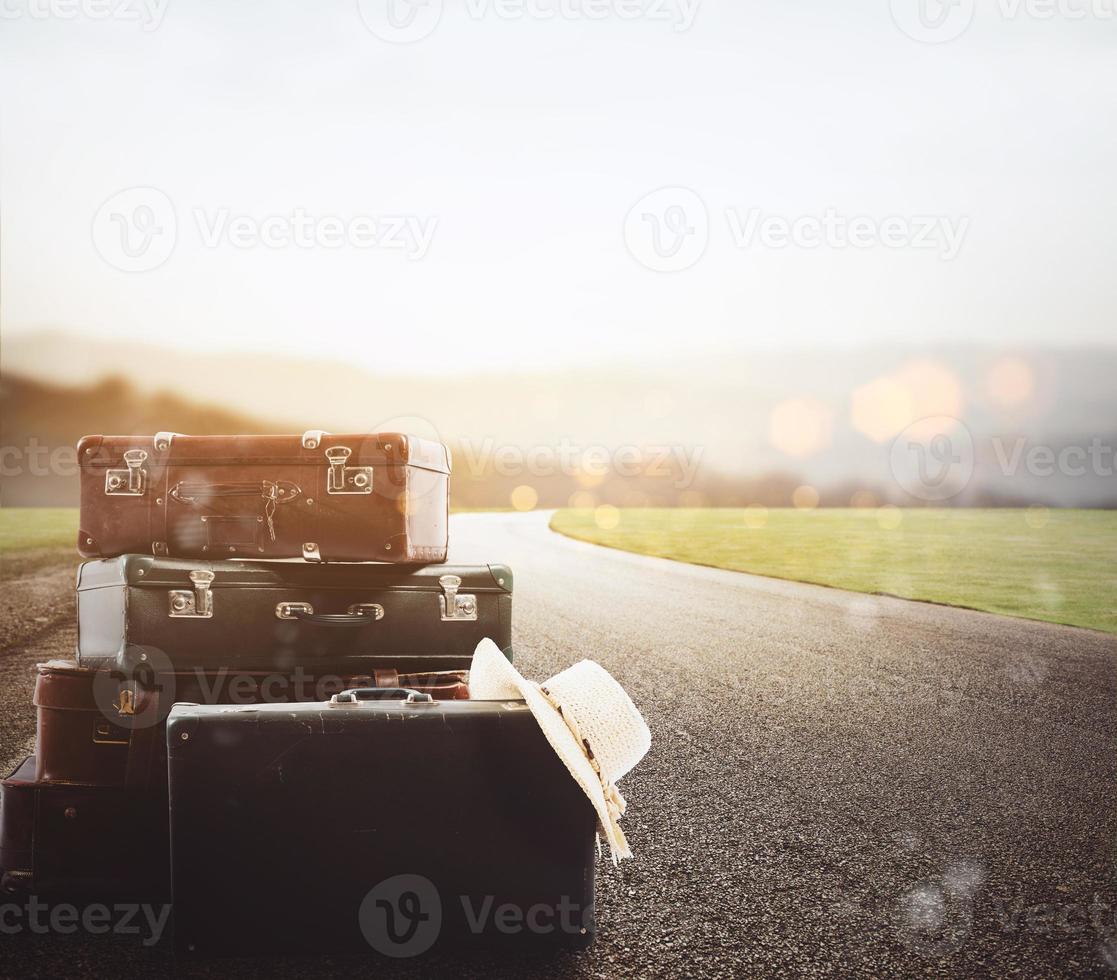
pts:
[615, 804]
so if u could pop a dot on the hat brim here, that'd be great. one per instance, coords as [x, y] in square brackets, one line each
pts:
[490, 662]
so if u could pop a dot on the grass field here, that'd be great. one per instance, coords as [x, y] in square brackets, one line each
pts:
[1059, 566]
[35, 528]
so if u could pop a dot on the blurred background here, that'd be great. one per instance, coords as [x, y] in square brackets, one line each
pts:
[658, 253]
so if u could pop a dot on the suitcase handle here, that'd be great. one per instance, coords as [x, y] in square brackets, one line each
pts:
[359, 615]
[357, 694]
[282, 491]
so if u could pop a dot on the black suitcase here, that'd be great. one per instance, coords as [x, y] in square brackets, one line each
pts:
[378, 825]
[282, 615]
[78, 841]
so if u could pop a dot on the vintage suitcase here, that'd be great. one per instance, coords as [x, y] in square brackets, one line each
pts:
[243, 615]
[355, 497]
[384, 824]
[100, 727]
[69, 840]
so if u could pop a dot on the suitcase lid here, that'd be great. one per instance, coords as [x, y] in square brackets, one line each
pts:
[146, 571]
[309, 449]
[334, 716]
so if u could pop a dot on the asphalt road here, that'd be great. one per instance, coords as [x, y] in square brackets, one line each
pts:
[839, 784]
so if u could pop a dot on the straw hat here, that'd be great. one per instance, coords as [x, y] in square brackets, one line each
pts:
[587, 718]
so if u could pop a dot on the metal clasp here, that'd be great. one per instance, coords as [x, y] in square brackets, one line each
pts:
[346, 479]
[129, 482]
[372, 609]
[287, 610]
[452, 605]
[196, 603]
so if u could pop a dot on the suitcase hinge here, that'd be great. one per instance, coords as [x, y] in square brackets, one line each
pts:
[196, 603]
[455, 607]
[346, 479]
[129, 482]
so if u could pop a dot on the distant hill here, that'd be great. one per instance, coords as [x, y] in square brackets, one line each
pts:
[720, 413]
[41, 423]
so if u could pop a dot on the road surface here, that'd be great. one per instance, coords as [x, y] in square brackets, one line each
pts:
[839, 784]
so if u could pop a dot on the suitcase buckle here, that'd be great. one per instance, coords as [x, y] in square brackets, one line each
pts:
[455, 607]
[196, 603]
[346, 479]
[292, 610]
[128, 482]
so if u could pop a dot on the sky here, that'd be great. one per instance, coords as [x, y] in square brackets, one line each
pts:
[457, 187]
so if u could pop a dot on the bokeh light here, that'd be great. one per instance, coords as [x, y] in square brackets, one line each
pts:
[889, 517]
[800, 426]
[756, 517]
[880, 409]
[606, 517]
[1010, 382]
[524, 497]
[805, 497]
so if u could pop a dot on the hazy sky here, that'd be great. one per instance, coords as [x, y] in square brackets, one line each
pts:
[488, 182]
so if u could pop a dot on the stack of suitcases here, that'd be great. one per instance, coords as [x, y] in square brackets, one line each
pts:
[268, 715]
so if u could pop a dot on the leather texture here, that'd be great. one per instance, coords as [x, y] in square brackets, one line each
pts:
[265, 496]
[82, 842]
[276, 846]
[125, 612]
[103, 728]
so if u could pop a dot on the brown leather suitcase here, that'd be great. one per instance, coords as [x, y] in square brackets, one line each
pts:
[72, 840]
[356, 497]
[101, 728]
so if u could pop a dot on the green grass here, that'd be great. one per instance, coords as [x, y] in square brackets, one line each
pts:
[1059, 566]
[35, 528]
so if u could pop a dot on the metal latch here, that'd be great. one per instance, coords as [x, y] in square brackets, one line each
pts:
[373, 609]
[129, 482]
[452, 605]
[287, 610]
[196, 603]
[346, 479]
[312, 438]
